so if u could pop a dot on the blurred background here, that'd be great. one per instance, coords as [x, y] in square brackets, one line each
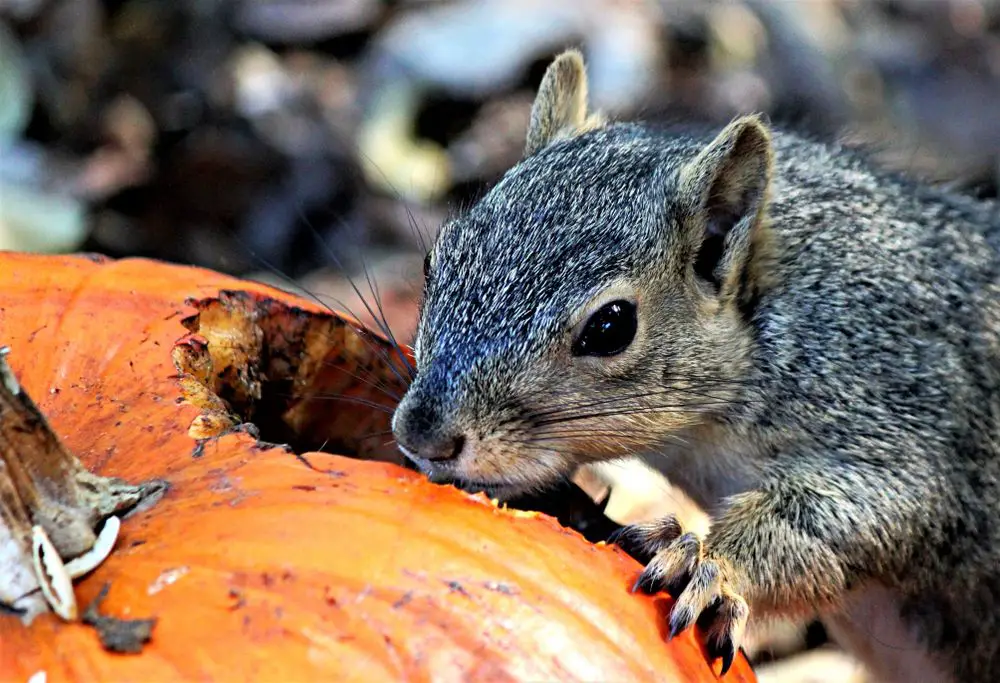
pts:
[312, 143]
[297, 141]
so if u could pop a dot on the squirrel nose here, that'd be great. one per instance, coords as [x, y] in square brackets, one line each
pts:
[420, 434]
[436, 450]
[447, 449]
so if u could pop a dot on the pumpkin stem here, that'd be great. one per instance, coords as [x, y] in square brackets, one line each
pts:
[45, 491]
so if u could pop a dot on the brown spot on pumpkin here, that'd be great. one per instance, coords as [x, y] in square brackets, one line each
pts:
[239, 600]
[498, 587]
[125, 636]
[403, 600]
[329, 598]
[456, 587]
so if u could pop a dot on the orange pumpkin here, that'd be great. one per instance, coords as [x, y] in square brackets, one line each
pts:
[258, 563]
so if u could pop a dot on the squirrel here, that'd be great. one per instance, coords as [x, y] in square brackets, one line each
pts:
[807, 345]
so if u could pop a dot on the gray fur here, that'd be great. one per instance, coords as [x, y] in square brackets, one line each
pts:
[851, 434]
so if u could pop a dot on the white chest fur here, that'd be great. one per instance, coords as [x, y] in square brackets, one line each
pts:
[870, 628]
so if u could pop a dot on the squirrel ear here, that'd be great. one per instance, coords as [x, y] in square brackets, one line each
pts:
[723, 192]
[560, 108]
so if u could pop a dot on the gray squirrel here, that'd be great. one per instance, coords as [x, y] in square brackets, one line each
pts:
[807, 346]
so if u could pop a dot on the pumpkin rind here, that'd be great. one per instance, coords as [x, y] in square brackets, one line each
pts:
[262, 564]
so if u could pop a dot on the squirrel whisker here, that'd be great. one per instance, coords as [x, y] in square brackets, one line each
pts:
[673, 407]
[350, 399]
[373, 383]
[627, 397]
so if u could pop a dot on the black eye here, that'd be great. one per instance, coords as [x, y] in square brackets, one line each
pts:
[609, 331]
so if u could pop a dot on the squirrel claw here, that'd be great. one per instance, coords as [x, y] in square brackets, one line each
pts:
[671, 566]
[649, 537]
[725, 651]
[620, 535]
[625, 538]
[680, 620]
[646, 583]
[727, 626]
[727, 659]
[643, 541]
[704, 594]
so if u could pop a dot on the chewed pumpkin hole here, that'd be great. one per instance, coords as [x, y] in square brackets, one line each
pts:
[315, 382]
[310, 380]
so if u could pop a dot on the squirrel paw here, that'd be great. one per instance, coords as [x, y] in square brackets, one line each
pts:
[701, 585]
[643, 541]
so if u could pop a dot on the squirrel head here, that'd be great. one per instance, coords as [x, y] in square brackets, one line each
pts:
[594, 304]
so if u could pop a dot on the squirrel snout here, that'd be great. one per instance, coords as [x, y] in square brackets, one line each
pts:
[421, 436]
[447, 448]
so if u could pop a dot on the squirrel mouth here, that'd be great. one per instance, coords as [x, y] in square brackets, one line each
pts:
[493, 489]
[439, 476]
[446, 473]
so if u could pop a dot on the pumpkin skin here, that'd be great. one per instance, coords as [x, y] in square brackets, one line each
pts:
[263, 565]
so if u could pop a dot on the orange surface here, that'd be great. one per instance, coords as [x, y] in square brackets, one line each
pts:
[260, 565]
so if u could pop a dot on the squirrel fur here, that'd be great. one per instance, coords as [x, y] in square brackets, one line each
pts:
[816, 361]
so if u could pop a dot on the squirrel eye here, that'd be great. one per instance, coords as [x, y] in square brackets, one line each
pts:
[609, 331]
